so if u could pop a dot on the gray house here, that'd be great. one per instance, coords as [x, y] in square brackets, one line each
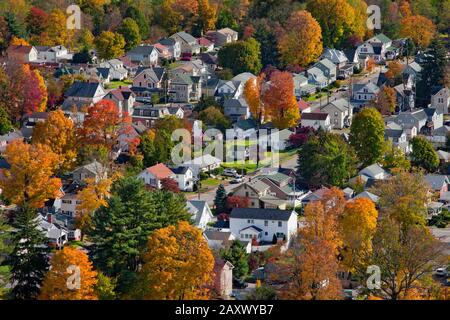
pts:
[236, 109]
[340, 112]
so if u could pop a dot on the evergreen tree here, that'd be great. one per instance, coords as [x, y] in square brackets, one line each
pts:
[29, 257]
[5, 122]
[423, 154]
[238, 257]
[14, 26]
[5, 250]
[221, 199]
[120, 229]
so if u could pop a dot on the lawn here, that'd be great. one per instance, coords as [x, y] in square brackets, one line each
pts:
[314, 97]
[116, 84]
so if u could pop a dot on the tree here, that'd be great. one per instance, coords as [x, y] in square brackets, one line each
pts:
[423, 154]
[241, 56]
[395, 70]
[308, 269]
[5, 122]
[367, 136]
[15, 41]
[28, 260]
[237, 255]
[394, 158]
[225, 19]
[91, 198]
[57, 31]
[207, 16]
[336, 18]
[386, 100]
[104, 289]
[177, 265]
[420, 29]
[237, 202]
[57, 132]
[167, 18]
[301, 136]
[220, 199]
[325, 159]
[37, 21]
[252, 95]
[110, 45]
[213, 117]
[63, 265]
[120, 229]
[357, 227]
[371, 64]
[30, 179]
[280, 102]
[130, 32]
[5, 250]
[170, 185]
[403, 257]
[134, 13]
[301, 44]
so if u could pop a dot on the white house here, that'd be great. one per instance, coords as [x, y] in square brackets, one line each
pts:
[184, 176]
[218, 239]
[153, 175]
[52, 54]
[365, 92]
[188, 43]
[79, 95]
[204, 163]
[316, 120]
[440, 99]
[262, 225]
[145, 54]
[340, 112]
[201, 213]
[374, 171]
[116, 69]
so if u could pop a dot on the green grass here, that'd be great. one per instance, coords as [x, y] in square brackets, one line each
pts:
[116, 84]
[174, 65]
[314, 97]
[210, 182]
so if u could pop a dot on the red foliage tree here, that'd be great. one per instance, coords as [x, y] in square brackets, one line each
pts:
[237, 202]
[37, 21]
[301, 136]
[170, 184]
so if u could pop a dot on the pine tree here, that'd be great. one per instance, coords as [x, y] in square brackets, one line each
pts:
[5, 249]
[238, 257]
[28, 260]
[220, 200]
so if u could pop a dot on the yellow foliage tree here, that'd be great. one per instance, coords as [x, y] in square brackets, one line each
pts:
[57, 31]
[43, 91]
[301, 44]
[15, 41]
[71, 277]
[58, 133]
[357, 227]
[178, 265]
[30, 179]
[252, 94]
[92, 197]
[420, 29]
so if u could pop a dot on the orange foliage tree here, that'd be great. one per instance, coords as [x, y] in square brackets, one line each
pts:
[30, 179]
[71, 277]
[178, 265]
[252, 94]
[15, 41]
[58, 133]
[420, 29]
[395, 69]
[301, 44]
[280, 101]
[386, 100]
[371, 64]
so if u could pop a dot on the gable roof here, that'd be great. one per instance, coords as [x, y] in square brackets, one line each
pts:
[83, 89]
[142, 50]
[367, 195]
[160, 171]
[372, 170]
[381, 38]
[217, 235]
[436, 181]
[94, 167]
[186, 37]
[261, 214]
[21, 49]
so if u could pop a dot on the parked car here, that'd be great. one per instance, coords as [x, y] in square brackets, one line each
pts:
[236, 180]
[343, 88]
[441, 272]
[229, 172]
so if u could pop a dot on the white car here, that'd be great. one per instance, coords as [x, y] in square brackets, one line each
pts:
[229, 172]
[441, 272]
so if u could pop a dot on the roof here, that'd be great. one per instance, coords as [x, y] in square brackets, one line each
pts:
[253, 228]
[336, 56]
[243, 77]
[367, 195]
[393, 133]
[142, 50]
[196, 208]
[415, 66]
[314, 116]
[186, 37]
[209, 58]
[372, 170]
[83, 89]
[382, 38]
[203, 161]
[240, 103]
[261, 214]
[180, 170]
[204, 42]
[302, 105]
[167, 41]
[327, 63]
[371, 87]
[340, 104]
[160, 171]
[155, 73]
[217, 235]
[257, 185]
[443, 155]
[95, 167]
[436, 181]
[19, 49]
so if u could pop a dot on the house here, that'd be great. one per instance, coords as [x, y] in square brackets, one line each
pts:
[9, 137]
[301, 86]
[200, 212]
[116, 68]
[30, 121]
[184, 176]
[79, 95]
[149, 82]
[185, 88]
[405, 99]
[218, 239]
[236, 109]
[188, 43]
[413, 69]
[203, 163]
[153, 175]
[317, 78]
[223, 278]
[363, 93]
[254, 190]
[144, 54]
[124, 99]
[423, 121]
[438, 183]
[101, 75]
[340, 112]
[316, 120]
[444, 156]
[210, 60]
[440, 99]
[223, 36]
[374, 171]
[229, 89]
[435, 118]
[380, 46]
[93, 170]
[337, 57]
[129, 65]
[205, 44]
[367, 195]
[164, 53]
[56, 235]
[263, 225]
[147, 115]
[439, 136]
[176, 111]
[70, 200]
[399, 138]
[328, 68]
[53, 54]
[173, 45]
[21, 53]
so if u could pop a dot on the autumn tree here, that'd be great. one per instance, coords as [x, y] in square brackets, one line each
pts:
[395, 69]
[357, 227]
[110, 45]
[386, 100]
[130, 32]
[170, 185]
[178, 264]
[241, 56]
[252, 94]
[394, 158]
[301, 44]
[367, 135]
[213, 116]
[207, 16]
[30, 179]
[138, 16]
[308, 269]
[420, 29]
[37, 21]
[237, 202]
[57, 32]
[280, 101]
[57, 132]
[423, 154]
[371, 65]
[16, 41]
[65, 264]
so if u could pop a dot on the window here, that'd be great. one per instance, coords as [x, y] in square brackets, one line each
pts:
[280, 223]
[266, 233]
[266, 223]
